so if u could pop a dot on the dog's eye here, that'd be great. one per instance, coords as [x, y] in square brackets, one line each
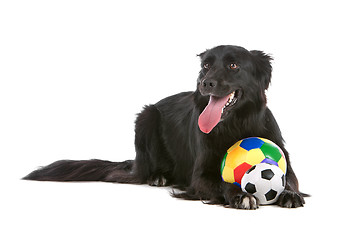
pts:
[207, 66]
[233, 66]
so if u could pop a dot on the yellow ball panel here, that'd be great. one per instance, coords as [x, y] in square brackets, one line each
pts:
[228, 174]
[254, 156]
[234, 146]
[236, 157]
[282, 164]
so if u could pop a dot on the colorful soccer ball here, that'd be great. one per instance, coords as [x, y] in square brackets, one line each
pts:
[248, 152]
[264, 181]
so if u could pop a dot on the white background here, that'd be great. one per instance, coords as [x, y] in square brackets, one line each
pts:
[75, 73]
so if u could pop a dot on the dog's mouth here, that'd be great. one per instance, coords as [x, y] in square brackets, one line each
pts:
[216, 109]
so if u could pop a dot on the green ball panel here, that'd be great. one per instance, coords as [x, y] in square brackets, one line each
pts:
[270, 151]
[223, 162]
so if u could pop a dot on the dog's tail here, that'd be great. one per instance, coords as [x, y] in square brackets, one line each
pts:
[89, 170]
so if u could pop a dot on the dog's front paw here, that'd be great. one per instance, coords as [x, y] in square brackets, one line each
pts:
[244, 201]
[158, 181]
[290, 199]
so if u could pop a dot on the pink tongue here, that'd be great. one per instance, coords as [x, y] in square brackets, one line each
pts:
[211, 115]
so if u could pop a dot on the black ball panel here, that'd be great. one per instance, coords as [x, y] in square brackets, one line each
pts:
[250, 188]
[270, 195]
[267, 174]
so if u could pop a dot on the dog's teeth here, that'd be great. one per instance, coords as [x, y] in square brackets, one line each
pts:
[232, 95]
[230, 100]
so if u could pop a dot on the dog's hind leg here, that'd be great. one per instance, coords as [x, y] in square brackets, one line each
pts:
[152, 163]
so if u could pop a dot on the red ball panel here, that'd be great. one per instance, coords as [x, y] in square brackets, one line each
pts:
[240, 171]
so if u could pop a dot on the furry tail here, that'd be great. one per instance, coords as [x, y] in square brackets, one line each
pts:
[89, 170]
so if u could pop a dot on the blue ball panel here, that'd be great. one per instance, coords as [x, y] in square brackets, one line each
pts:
[237, 184]
[251, 143]
[269, 161]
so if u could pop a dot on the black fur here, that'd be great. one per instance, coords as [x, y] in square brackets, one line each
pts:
[171, 149]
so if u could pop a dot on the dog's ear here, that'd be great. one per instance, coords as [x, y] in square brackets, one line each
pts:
[201, 55]
[263, 67]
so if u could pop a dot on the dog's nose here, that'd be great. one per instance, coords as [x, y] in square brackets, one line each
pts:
[208, 83]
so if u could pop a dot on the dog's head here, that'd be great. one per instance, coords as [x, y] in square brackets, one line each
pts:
[232, 77]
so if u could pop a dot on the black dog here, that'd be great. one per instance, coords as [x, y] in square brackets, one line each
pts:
[180, 141]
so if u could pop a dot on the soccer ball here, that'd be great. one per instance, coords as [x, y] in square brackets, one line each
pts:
[248, 152]
[265, 182]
